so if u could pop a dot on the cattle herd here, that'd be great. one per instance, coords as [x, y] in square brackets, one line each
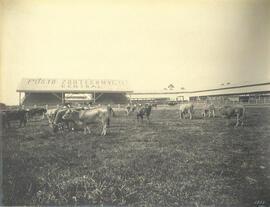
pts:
[75, 118]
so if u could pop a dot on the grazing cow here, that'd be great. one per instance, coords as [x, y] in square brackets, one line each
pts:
[17, 115]
[130, 109]
[187, 108]
[36, 112]
[209, 110]
[59, 122]
[143, 110]
[86, 117]
[237, 111]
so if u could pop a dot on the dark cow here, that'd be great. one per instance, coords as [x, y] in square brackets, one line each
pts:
[148, 109]
[111, 112]
[237, 111]
[16, 115]
[36, 112]
[143, 110]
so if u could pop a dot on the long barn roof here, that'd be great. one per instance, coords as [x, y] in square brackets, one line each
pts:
[73, 85]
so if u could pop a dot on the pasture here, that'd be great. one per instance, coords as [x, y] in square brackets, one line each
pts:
[167, 162]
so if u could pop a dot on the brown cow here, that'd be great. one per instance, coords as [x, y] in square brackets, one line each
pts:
[237, 111]
[209, 110]
[86, 117]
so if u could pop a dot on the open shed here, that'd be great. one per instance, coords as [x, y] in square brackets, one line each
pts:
[57, 91]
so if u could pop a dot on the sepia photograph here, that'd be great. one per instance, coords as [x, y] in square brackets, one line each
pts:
[155, 103]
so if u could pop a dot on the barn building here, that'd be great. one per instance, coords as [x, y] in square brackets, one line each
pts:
[59, 91]
[249, 93]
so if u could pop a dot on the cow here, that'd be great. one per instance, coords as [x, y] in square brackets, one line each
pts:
[143, 110]
[16, 115]
[148, 109]
[209, 110]
[37, 112]
[154, 105]
[140, 111]
[186, 108]
[130, 108]
[58, 121]
[85, 118]
[50, 114]
[111, 112]
[237, 111]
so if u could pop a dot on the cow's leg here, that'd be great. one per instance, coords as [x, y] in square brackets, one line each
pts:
[190, 115]
[214, 115]
[42, 116]
[104, 129]
[237, 120]
[242, 121]
[108, 121]
[88, 129]
[49, 118]
[180, 113]
[85, 128]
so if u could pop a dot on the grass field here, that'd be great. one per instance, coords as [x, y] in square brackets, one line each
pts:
[167, 162]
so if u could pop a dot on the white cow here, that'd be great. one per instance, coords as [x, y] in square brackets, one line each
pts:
[187, 108]
[50, 114]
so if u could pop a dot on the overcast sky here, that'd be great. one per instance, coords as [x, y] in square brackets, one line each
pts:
[192, 44]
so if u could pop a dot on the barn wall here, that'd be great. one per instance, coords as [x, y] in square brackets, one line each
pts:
[112, 98]
[41, 99]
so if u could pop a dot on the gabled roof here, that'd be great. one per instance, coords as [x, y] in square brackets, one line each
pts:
[73, 85]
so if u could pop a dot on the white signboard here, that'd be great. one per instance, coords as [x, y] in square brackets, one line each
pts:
[73, 85]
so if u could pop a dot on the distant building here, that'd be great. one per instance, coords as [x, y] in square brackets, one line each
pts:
[252, 93]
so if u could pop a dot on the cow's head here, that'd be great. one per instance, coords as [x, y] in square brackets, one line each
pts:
[71, 115]
[67, 114]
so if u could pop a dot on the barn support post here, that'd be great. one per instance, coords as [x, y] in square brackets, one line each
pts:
[94, 96]
[20, 101]
[63, 98]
